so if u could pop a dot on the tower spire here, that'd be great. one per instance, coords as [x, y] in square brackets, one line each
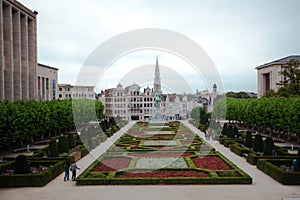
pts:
[157, 83]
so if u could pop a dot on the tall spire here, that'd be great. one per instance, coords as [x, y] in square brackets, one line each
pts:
[157, 83]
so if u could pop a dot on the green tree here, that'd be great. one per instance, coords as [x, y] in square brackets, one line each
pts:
[290, 85]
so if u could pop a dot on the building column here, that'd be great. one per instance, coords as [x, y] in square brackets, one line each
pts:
[16, 55]
[24, 57]
[32, 58]
[8, 52]
[1, 54]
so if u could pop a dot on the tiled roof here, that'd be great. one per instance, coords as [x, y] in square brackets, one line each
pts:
[280, 61]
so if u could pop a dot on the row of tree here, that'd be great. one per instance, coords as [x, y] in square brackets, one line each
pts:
[24, 120]
[282, 114]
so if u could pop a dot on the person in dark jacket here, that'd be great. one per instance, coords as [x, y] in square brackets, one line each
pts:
[66, 168]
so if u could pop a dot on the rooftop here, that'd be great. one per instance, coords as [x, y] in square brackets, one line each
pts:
[280, 61]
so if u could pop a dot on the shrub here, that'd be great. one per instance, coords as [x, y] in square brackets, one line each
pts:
[229, 131]
[53, 149]
[224, 130]
[248, 139]
[258, 144]
[235, 132]
[21, 165]
[298, 162]
[269, 146]
[71, 141]
[63, 144]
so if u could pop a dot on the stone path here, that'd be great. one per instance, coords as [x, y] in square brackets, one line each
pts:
[263, 186]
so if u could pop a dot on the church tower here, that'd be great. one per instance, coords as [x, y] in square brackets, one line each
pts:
[157, 82]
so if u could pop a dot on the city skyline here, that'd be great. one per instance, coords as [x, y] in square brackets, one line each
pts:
[236, 36]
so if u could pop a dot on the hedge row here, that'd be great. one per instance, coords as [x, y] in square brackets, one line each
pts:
[32, 180]
[287, 178]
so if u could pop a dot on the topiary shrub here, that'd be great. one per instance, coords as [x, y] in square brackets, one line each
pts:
[53, 149]
[248, 139]
[63, 146]
[235, 132]
[269, 146]
[298, 162]
[229, 131]
[258, 144]
[71, 141]
[21, 165]
[224, 129]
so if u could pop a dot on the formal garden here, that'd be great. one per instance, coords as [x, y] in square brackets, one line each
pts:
[162, 153]
[29, 122]
[256, 126]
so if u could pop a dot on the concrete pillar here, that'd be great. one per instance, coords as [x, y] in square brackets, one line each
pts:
[32, 57]
[17, 55]
[24, 57]
[1, 54]
[8, 52]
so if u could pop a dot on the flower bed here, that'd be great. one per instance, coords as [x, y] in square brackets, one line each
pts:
[210, 163]
[112, 164]
[162, 174]
[158, 163]
[142, 158]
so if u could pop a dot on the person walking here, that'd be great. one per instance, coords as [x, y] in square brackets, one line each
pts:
[73, 170]
[66, 168]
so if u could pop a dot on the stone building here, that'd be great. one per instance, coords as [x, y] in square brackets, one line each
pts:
[18, 52]
[269, 74]
[134, 103]
[46, 82]
[67, 91]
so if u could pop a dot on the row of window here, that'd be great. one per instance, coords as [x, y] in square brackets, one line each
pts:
[76, 95]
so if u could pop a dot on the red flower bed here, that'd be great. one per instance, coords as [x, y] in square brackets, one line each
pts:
[211, 163]
[162, 174]
[112, 164]
[160, 154]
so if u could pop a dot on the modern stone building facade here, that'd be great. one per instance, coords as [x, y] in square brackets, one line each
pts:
[46, 82]
[18, 52]
[66, 91]
[269, 74]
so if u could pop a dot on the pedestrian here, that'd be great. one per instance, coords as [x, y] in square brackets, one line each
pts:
[73, 170]
[66, 168]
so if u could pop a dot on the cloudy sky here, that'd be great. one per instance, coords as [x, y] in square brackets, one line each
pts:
[236, 35]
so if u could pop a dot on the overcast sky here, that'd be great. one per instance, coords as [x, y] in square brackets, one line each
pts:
[236, 35]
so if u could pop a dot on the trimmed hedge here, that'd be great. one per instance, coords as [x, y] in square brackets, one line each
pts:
[32, 180]
[238, 149]
[270, 168]
[253, 157]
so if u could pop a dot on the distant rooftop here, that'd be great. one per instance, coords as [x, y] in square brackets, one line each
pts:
[280, 61]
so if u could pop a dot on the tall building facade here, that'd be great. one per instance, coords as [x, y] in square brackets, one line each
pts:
[46, 82]
[269, 74]
[18, 52]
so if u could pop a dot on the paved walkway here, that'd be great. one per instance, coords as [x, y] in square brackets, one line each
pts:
[263, 186]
